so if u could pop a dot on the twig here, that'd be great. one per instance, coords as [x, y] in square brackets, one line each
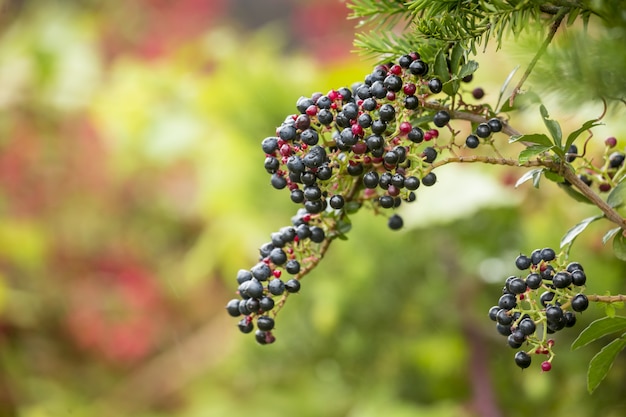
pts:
[553, 29]
[607, 298]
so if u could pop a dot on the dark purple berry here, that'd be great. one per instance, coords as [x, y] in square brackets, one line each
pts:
[418, 67]
[580, 302]
[472, 141]
[502, 317]
[245, 325]
[266, 303]
[317, 234]
[233, 308]
[435, 85]
[441, 118]
[548, 254]
[483, 130]
[276, 286]
[546, 298]
[517, 286]
[493, 312]
[416, 135]
[578, 277]
[412, 183]
[265, 323]
[535, 257]
[478, 93]
[522, 262]
[292, 266]
[292, 286]
[527, 326]
[507, 302]
[495, 124]
[522, 359]
[387, 113]
[429, 154]
[243, 275]
[533, 281]
[429, 179]
[573, 266]
[562, 279]
[616, 159]
[395, 222]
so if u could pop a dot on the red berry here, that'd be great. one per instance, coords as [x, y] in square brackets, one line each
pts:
[409, 89]
[395, 69]
[277, 273]
[333, 95]
[546, 366]
[311, 110]
[391, 96]
[610, 142]
[478, 93]
[405, 127]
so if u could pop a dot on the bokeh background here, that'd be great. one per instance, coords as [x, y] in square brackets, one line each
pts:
[132, 189]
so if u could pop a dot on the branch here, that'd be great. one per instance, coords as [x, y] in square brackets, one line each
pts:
[553, 29]
[606, 298]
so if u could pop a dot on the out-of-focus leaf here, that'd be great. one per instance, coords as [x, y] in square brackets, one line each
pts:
[601, 364]
[608, 235]
[619, 246]
[535, 174]
[553, 126]
[617, 195]
[578, 229]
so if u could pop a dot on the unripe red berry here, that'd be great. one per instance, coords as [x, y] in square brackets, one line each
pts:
[610, 142]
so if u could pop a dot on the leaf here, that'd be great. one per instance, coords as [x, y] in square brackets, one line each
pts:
[578, 229]
[608, 235]
[586, 126]
[352, 207]
[574, 194]
[504, 87]
[600, 364]
[553, 126]
[609, 310]
[455, 57]
[469, 68]
[537, 138]
[617, 195]
[441, 67]
[451, 87]
[598, 329]
[619, 246]
[554, 177]
[528, 175]
[532, 151]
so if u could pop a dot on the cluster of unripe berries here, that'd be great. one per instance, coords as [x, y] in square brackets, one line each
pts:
[605, 176]
[286, 252]
[541, 303]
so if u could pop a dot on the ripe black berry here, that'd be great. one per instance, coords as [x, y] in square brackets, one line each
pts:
[535, 257]
[435, 85]
[243, 275]
[310, 137]
[569, 318]
[495, 124]
[411, 183]
[269, 145]
[554, 313]
[503, 329]
[522, 359]
[292, 266]
[527, 326]
[429, 154]
[245, 325]
[562, 279]
[416, 135]
[483, 130]
[278, 256]
[578, 277]
[507, 302]
[278, 181]
[386, 201]
[616, 159]
[522, 262]
[393, 83]
[325, 117]
[548, 254]
[411, 102]
[546, 298]
[472, 141]
[266, 303]
[253, 305]
[478, 93]
[405, 60]
[233, 308]
[379, 127]
[429, 179]
[276, 286]
[533, 281]
[390, 158]
[370, 180]
[261, 271]
[387, 112]
[317, 234]
[336, 201]
[580, 302]
[493, 312]
[502, 317]
[265, 323]
[573, 266]
[572, 153]
[395, 222]
[441, 118]
[292, 286]
[418, 67]
[517, 286]
[369, 104]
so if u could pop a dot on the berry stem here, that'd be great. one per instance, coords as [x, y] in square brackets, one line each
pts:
[607, 298]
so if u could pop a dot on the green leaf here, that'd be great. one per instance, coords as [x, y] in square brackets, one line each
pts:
[609, 310]
[574, 194]
[537, 138]
[469, 68]
[601, 364]
[608, 235]
[451, 87]
[586, 126]
[532, 151]
[578, 229]
[598, 329]
[455, 58]
[441, 67]
[619, 246]
[553, 126]
[352, 207]
[617, 195]
[554, 177]
[534, 174]
[504, 87]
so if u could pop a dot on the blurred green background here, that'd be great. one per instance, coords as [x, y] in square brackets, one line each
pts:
[132, 189]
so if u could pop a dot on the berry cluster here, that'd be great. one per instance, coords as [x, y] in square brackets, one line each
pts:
[365, 143]
[541, 303]
[290, 250]
[604, 177]
[370, 145]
